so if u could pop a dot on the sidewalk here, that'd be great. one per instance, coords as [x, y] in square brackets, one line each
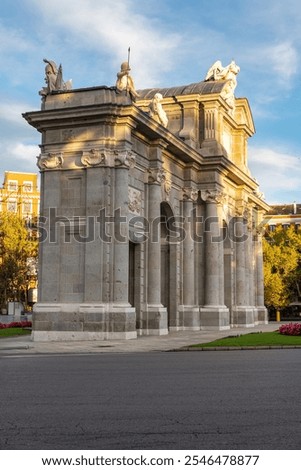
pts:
[174, 340]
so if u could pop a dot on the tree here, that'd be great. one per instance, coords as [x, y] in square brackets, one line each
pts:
[282, 266]
[17, 250]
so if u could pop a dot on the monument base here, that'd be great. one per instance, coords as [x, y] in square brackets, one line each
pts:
[244, 316]
[188, 319]
[215, 318]
[262, 315]
[80, 322]
[154, 320]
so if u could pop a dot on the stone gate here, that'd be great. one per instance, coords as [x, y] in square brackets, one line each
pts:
[150, 218]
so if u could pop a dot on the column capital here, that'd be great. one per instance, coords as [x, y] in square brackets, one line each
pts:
[124, 159]
[213, 195]
[156, 175]
[241, 209]
[190, 194]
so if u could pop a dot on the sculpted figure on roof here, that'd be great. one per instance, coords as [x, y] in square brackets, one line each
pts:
[54, 78]
[217, 72]
[156, 110]
[125, 82]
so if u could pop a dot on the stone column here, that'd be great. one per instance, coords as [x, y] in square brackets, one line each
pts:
[189, 313]
[259, 287]
[250, 265]
[155, 318]
[240, 244]
[243, 313]
[121, 316]
[214, 314]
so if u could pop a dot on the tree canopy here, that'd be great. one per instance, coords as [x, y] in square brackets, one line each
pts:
[282, 266]
[18, 250]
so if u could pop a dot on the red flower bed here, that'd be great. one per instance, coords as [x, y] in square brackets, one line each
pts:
[16, 324]
[292, 329]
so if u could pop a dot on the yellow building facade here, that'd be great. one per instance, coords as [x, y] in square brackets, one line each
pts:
[20, 194]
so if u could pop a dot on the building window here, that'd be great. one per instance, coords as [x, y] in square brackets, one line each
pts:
[12, 185]
[27, 186]
[272, 228]
[285, 226]
[12, 205]
[27, 207]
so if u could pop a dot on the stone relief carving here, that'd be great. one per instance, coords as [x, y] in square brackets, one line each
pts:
[93, 157]
[135, 201]
[125, 82]
[167, 187]
[156, 175]
[217, 72]
[68, 135]
[125, 159]
[54, 78]
[190, 194]
[156, 110]
[50, 161]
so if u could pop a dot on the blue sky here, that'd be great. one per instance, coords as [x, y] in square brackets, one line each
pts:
[173, 42]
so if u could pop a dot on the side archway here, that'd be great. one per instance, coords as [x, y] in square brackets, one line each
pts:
[168, 263]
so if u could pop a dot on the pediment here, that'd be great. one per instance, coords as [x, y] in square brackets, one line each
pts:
[243, 114]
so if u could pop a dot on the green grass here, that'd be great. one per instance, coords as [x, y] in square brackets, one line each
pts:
[252, 340]
[7, 332]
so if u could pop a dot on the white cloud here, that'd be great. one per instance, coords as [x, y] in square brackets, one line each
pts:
[12, 40]
[12, 112]
[278, 173]
[112, 29]
[282, 59]
[23, 151]
[17, 152]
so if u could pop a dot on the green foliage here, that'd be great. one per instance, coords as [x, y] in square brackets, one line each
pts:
[17, 248]
[282, 264]
[268, 339]
[8, 332]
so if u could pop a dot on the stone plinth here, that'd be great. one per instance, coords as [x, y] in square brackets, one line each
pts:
[73, 322]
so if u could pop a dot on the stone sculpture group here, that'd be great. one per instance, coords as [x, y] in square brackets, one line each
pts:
[125, 84]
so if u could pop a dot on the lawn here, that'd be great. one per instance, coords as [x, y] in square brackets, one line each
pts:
[7, 332]
[252, 340]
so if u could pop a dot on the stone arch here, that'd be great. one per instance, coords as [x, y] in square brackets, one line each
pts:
[168, 262]
[228, 266]
[134, 285]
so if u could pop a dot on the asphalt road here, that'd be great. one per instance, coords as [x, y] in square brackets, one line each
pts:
[176, 400]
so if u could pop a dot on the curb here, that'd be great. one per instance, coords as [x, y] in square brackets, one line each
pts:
[235, 348]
